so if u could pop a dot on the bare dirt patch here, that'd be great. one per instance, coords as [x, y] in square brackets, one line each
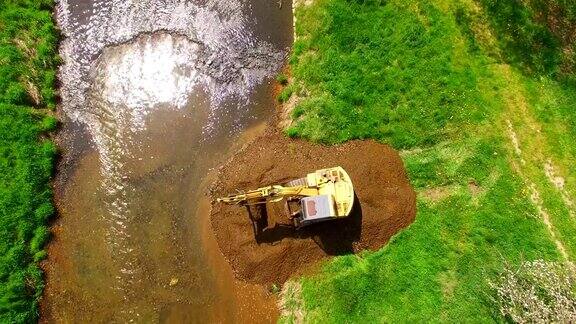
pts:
[437, 194]
[385, 204]
[474, 188]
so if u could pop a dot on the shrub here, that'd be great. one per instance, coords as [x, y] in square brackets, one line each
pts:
[16, 94]
[292, 132]
[537, 292]
[49, 123]
[41, 235]
[286, 93]
[44, 212]
[282, 79]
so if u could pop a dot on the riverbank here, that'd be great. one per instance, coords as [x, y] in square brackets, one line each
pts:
[28, 63]
[477, 95]
[251, 303]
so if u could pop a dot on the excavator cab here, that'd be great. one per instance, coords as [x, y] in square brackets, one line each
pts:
[315, 209]
[324, 194]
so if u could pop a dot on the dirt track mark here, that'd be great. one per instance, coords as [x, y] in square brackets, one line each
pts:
[530, 149]
[559, 184]
[437, 194]
[535, 195]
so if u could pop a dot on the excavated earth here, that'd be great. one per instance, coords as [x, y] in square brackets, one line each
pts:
[385, 204]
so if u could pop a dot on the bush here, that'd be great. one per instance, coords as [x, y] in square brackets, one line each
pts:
[285, 94]
[16, 94]
[537, 292]
[49, 123]
[282, 79]
[41, 235]
[292, 132]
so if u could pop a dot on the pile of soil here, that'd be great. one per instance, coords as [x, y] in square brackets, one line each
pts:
[385, 204]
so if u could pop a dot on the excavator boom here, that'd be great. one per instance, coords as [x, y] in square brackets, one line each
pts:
[268, 194]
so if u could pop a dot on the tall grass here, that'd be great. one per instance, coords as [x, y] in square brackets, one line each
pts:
[538, 36]
[28, 62]
[387, 72]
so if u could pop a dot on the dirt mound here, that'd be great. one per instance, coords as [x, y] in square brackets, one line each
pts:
[385, 204]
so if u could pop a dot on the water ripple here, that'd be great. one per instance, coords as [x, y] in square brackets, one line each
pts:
[124, 59]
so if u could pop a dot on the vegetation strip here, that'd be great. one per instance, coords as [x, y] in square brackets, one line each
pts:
[28, 62]
[440, 80]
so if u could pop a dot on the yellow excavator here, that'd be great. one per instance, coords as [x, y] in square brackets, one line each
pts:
[324, 194]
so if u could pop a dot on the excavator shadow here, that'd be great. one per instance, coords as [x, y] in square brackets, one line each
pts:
[334, 237]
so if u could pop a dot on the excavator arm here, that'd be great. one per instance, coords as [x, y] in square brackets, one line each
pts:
[322, 195]
[272, 193]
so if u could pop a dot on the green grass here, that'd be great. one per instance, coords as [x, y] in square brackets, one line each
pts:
[368, 66]
[439, 267]
[554, 109]
[429, 78]
[28, 62]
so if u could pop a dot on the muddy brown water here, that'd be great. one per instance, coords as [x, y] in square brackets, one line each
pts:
[132, 242]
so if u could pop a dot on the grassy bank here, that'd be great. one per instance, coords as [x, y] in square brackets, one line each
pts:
[478, 96]
[28, 61]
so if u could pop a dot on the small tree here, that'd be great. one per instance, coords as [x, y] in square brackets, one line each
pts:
[537, 292]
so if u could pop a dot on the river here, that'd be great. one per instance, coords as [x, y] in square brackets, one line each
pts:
[155, 95]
